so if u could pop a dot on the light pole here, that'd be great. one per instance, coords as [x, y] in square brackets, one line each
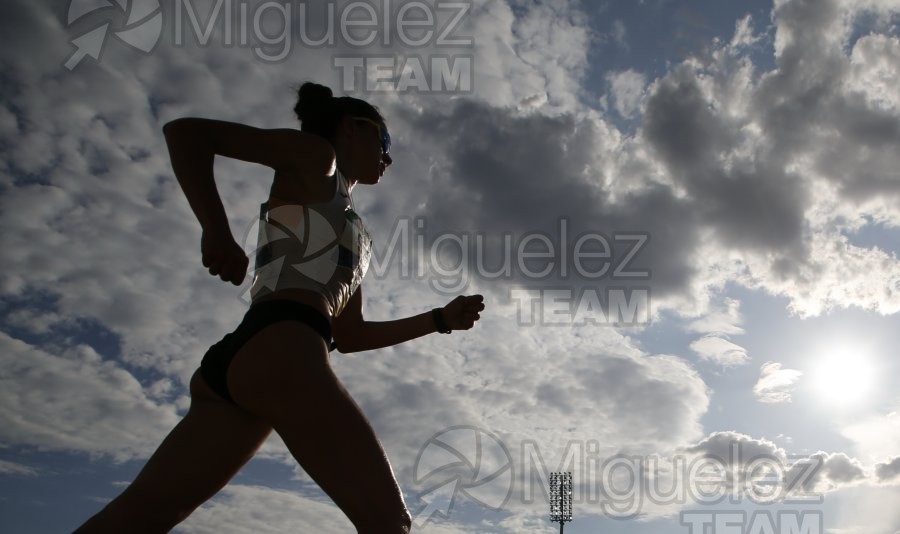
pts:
[561, 498]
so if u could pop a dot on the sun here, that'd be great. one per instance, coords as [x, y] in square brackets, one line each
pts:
[844, 376]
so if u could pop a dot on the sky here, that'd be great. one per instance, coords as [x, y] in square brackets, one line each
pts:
[684, 218]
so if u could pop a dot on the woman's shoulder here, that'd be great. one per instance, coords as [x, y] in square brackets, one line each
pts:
[312, 154]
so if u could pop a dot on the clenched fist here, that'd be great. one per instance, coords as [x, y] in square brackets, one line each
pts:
[224, 257]
[462, 312]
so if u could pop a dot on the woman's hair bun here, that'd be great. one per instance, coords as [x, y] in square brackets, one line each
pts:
[320, 112]
[312, 100]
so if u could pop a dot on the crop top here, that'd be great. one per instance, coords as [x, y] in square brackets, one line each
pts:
[322, 247]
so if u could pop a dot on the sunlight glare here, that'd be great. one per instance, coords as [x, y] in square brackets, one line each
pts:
[844, 377]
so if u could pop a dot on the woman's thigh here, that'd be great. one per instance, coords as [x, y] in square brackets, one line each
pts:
[282, 375]
[206, 449]
[198, 457]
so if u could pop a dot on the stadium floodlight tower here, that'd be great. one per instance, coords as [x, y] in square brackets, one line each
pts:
[561, 498]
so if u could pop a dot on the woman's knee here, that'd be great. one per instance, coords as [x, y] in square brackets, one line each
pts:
[399, 523]
[405, 521]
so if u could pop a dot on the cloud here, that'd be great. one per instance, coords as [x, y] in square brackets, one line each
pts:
[874, 71]
[727, 187]
[549, 169]
[719, 200]
[888, 471]
[619, 34]
[717, 325]
[16, 469]
[865, 509]
[553, 390]
[735, 448]
[534, 56]
[720, 350]
[875, 436]
[751, 203]
[838, 273]
[627, 89]
[823, 472]
[76, 401]
[736, 176]
[840, 128]
[743, 33]
[776, 384]
[94, 220]
[590, 382]
[814, 474]
[244, 508]
[725, 464]
[723, 320]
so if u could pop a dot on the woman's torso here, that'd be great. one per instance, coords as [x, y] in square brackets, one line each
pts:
[312, 247]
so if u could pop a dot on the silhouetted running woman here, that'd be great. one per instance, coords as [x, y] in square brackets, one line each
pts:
[273, 371]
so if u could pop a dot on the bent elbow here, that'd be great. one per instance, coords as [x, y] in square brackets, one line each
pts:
[179, 126]
[171, 126]
[345, 346]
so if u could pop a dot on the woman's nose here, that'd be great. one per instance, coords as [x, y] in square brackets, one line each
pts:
[387, 159]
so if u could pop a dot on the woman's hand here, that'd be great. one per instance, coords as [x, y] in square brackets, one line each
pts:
[223, 256]
[462, 312]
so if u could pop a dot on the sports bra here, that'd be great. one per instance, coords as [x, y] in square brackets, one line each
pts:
[322, 247]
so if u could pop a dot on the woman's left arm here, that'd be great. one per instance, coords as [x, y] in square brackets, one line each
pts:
[352, 333]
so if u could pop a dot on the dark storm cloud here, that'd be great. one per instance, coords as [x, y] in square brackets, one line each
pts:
[654, 404]
[865, 168]
[519, 175]
[730, 170]
[813, 104]
[749, 203]
[736, 448]
[817, 473]
[821, 472]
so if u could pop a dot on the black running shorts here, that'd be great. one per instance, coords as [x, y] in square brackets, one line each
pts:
[214, 366]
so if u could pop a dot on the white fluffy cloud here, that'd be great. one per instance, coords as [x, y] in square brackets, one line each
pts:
[723, 320]
[720, 350]
[627, 89]
[73, 400]
[238, 509]
[558, 390]
[532, 57]
[775, 383]
[876, 437]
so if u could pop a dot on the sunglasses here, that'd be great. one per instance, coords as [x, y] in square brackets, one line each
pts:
[382, 133]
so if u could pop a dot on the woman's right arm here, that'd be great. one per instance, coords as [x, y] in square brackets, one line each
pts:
[193, 144]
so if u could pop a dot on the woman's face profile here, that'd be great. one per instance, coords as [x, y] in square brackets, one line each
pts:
[371, 141]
